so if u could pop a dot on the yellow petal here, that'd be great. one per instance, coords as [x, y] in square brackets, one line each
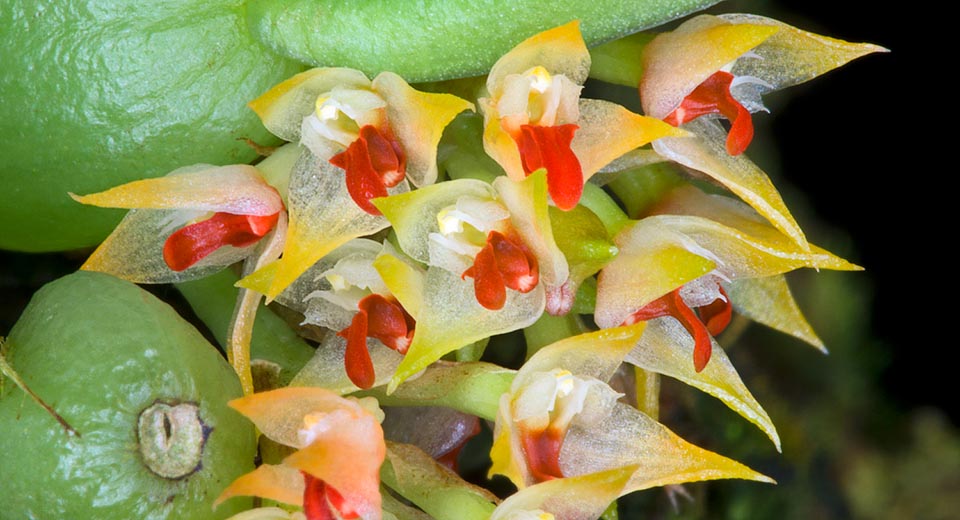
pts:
[676, 62]
[134, 251]
[575, 498]
[791, 56]
[417, 120]
[237, 189]
[450, 318]
[323, 217]
[281, 483]
[706, 153]
[283, 107]
[769, 301]
[560, 50]
[628, 437]
[667, 348]
[595, 354]
[404, 281]
[498, 144]
[607, 131]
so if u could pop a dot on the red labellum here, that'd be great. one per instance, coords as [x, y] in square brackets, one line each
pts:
[549, 147]
[190, 244]
[717, 315]
[501, 264]
[380, 318]
[713, 97]
[542, 450]
[373, 163]
[320, 500]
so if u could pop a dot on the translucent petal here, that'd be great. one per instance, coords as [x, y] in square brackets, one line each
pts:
[706, 152]
[405, 281]
[791, 56]
[769, 301]
[594, 354]
[607, 131]
[238, 189]
[576, 498]
[628, 437]
[414, 214]
[417, 120]
[283, 107]
[560, 50]
[667, 348]
[498, 143]
[322, 218]
[450, 318]
[675, 62]
[134, 251]
[326, 368]
[274, 482]
[663, 252]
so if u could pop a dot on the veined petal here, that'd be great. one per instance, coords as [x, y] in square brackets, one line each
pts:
[792, 56]
[594, 354]
[326, 368]
[450, 318]
[238, 189]
[322, 217]
[671, 250]
[627, 437]
[134, 251]
[608, 131]
[768, 301]
[417, 120]
[706, 152]
[560, 50]
[666, 348]
[674, 63]
[283, 107]
[414, 214]
[576, 498]
[274, 482]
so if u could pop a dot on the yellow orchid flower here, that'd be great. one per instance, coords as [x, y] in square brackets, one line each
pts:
[186, 225]
[714, 66]
[340, 449]
[561, 419]
[534, 117]
[363, 139]
[679, 259]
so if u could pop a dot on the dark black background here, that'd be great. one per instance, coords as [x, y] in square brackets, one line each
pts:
[860, 144]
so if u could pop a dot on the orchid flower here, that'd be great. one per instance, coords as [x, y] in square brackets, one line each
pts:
[721, 65]
[493, 260]
[561, 419]
[363, 140]
[344, 292]
[339, 449]
[186, 225]
[534, 117]
[680, 259]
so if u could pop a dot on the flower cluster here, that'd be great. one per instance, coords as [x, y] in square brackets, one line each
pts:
[409, 228]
